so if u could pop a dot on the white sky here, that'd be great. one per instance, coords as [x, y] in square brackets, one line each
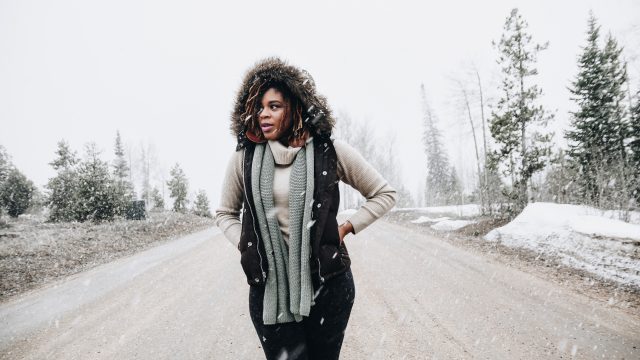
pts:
[165, 73]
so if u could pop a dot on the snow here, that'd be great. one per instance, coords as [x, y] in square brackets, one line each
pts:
[604, 227]
[424, 219]
[450, 225]
[445, 223]
[580, 236]
[456, 210]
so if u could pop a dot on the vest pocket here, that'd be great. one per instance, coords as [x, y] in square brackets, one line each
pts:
[333, 259]
[344, 254]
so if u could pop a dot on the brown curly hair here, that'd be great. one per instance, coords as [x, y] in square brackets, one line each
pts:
[293, 110]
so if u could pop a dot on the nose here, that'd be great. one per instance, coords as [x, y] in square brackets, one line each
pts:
[263, 114]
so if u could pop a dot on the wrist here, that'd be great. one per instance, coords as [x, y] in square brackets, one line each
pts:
[348, 227]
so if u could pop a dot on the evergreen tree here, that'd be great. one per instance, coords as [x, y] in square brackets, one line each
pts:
[438, 189]
[62, 189]
[178, 187]
[5, 166]
[634, 146]
[599, 127]
[559, 181]
[16, 192]
[123, 189]
[201, 205]
[517, 121]
[96, 195]
[455, 192]
[616, 130]
[157, 200]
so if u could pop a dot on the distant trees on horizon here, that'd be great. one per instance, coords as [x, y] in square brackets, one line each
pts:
[90, 189]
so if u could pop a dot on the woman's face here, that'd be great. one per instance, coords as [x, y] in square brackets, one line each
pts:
[271, 116]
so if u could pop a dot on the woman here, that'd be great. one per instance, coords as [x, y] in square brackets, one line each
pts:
[283, 178]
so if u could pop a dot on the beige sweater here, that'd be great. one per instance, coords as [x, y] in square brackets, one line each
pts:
[353, 169]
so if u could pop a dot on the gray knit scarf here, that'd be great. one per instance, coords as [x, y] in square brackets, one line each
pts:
[288, 294]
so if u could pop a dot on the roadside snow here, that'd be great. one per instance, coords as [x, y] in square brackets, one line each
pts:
[581, 236]
[450, 225]
[457, 210]
[424, 219]
[604, 227]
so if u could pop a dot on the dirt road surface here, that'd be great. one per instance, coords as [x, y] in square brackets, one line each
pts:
[417, 297]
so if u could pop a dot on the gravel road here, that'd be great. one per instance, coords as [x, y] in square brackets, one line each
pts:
[417, 297]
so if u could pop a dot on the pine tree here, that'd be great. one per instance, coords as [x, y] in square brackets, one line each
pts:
[599, 127]
[455, 193]
[201, 205]
[156, 198]
[634, 146]
[96, 195]
[62, 189]
[123, 188]
[178, 187]
[559, 181]
[16, 192]
[438, 189]
[517, 121]
[5, 166]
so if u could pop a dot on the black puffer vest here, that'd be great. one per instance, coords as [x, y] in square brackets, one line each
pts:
[328, 257]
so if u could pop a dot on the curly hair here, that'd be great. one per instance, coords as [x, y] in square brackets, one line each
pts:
[293, 109]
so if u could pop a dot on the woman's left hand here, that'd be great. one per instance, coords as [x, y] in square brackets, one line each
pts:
[344, 229]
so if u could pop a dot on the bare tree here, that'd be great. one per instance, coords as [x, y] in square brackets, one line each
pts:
[465, 99]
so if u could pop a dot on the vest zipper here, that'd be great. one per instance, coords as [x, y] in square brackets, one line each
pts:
[244, 187]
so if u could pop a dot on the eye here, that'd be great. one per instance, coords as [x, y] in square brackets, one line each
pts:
[274, 106]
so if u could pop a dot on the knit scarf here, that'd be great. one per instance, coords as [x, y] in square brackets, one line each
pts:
[288, 294]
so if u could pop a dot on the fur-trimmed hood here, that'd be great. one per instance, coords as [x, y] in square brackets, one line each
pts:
[318, 117]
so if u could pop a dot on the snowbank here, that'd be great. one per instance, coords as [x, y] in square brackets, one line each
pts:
[581, 236]
[424, 219]
[457, 210]
[450, 225]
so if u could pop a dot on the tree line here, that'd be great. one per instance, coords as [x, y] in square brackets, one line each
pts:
[91, 189]
[516, 161]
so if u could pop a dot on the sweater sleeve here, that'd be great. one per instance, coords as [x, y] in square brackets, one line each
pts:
[228, 211]
[355, 171]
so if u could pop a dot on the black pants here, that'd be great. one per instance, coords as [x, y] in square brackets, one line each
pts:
[318, 336]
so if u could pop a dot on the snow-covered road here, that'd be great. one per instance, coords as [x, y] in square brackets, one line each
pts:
[417, 297]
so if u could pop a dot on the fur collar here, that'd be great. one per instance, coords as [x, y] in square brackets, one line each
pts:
[301, 84]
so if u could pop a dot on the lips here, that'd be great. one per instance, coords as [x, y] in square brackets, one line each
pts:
[266, 127]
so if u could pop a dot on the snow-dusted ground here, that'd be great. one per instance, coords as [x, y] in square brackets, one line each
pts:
[581, 236]
[466, 210]
[450, 225]
[34, 252]
[426, 219]
[445, 223]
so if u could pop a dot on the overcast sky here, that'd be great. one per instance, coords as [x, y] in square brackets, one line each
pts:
[165, 73]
